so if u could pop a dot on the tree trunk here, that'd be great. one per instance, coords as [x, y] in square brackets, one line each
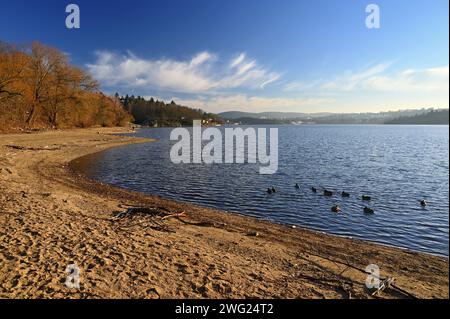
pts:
[30, 118]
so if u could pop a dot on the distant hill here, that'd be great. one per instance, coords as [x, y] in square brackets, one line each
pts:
[259, 121]
[267, 115]
[339, 118]
[432, 117]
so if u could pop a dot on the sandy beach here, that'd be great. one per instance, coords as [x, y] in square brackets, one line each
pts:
[51, 217]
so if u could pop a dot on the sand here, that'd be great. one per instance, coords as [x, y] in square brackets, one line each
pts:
[51, 217]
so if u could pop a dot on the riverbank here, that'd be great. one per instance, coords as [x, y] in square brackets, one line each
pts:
[51, 217]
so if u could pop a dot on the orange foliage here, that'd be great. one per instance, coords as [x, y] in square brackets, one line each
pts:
[40, 89]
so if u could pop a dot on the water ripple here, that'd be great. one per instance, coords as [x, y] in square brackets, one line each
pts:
[396, 165]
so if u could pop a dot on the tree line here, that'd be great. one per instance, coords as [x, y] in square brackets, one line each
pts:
[158, 113]
[432, 117]
[39, 88]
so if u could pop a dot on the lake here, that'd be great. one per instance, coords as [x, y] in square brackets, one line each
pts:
[396, 165]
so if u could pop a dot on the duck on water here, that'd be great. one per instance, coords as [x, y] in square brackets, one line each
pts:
[337, 208]
[327, 193]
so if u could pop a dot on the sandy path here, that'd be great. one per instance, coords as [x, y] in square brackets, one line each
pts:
[50, 218]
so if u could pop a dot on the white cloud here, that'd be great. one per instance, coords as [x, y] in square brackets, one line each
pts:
[356, 80]
[378, 79]
[200, 74]
[201, 58]
[238, 60]
[427, 80]
[209, 82]
[271, 80]
[251, 103]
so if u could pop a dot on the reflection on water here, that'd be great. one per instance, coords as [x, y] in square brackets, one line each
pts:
[396, 165]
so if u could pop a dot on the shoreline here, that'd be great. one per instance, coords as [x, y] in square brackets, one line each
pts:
[52, 215]
[76, 171]
[79, 171]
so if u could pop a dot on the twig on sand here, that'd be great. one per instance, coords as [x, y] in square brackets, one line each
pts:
[203, 223]
[386, 282]
[383, 285]
[173, 215]
[134, 211]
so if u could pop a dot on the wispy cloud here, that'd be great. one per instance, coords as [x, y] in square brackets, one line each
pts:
[251, 103]
[203, 72]
[352, 81]
[411, 80]
[215, 84]
[377, 78]
[301, 86]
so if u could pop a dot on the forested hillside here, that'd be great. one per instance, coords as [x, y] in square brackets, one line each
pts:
[410, 116]
[157, 113]
[432, 117]
[39, 88]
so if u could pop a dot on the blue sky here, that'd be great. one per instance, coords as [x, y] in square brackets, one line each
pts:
[252, 55]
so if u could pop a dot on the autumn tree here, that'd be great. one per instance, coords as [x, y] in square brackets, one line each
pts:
[12, 68]
[43, 62]
[40, 88]
[66, 85]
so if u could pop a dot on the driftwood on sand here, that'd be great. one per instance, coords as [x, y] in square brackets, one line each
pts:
[156, 217]
[146, 217]
[26, 148]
